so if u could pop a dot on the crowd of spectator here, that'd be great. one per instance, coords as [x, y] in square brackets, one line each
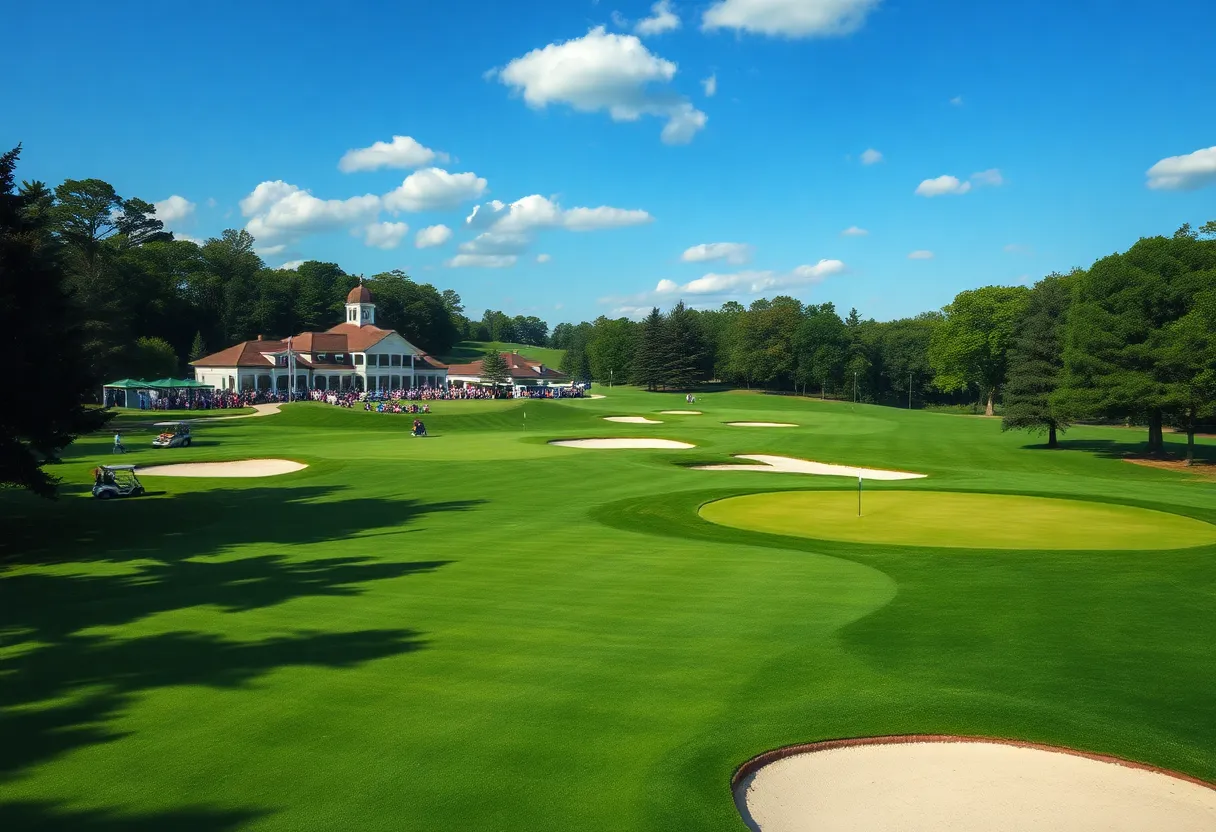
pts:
[228, 399]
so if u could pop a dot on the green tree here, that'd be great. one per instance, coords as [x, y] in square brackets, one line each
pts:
[682, 347]
[1186, 355]
[611, 348]
[198, 347]
[650, 356]
[575, 361]
[43, 343]
[494, 369]
[971, 344]
[152, 358]
[416, 310]
[1036, 361]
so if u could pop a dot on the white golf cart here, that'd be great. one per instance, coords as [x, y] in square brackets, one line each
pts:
[179, 437]
[111, 481]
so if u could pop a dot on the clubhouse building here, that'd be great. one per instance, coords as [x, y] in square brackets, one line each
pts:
[355, 354]
[521, 371]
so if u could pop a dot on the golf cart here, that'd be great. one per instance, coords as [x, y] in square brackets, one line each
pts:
[116, 481]
[179, 437]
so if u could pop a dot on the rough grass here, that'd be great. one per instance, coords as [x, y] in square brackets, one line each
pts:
[479, 631]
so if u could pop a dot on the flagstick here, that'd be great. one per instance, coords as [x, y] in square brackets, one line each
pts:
[859, 496]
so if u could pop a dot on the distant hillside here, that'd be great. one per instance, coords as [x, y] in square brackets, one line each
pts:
[467, 351]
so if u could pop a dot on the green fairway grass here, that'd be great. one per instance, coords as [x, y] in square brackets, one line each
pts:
[959, 520]
[479, 631]
[467, 351]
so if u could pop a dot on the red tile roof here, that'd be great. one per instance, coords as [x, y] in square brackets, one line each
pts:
[359, 294]
[517, 367]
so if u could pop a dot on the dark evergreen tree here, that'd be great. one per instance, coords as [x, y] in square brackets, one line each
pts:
[1036, 361]
[494, 369]
[650, 358]
[42, 342]
[682, 347]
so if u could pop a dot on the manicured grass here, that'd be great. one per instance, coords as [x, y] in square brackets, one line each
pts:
[467, 351]
[479, 631]
[959, 520]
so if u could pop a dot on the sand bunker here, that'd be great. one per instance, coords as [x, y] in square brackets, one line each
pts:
[258, 410]
[961, 786]
[761, 425]
[632, 420]
[789, 465]
[616, 444]
[238, 468]
[596, 396]
[681, 412]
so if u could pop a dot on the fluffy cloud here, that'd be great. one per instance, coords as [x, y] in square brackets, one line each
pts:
[854, 231]
[432, 235]
[385, 235]
[535, 212]
[431, 189]
[496, 243]
[942, 185]
[751, 282]
[1184, 173]
[292, 265]
[173, 210]
[871, 157]
[401, 152]
[604, 72]
[789, 18]
[280, 211]
[953, 185]
[920, 254]
[177, 235]
[736, 253]
[270, 251]
[544, 258]
[484, 261]
[662, 19]
[710, 86]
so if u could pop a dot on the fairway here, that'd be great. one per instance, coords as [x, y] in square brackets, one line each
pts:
[480, 630]
[959, 520]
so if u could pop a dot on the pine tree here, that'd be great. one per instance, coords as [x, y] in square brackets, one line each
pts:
[1036, 361]
[682, 347]
[494, 369]
[650, 360]
[197, 347]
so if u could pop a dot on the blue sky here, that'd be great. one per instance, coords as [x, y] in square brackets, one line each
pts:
[244, 112]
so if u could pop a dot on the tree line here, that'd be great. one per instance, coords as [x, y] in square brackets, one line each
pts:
[1133, 338]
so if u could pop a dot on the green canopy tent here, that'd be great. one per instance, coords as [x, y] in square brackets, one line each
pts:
[116, 393]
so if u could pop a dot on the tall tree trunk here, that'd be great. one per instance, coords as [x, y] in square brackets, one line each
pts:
[1051, 436]
[988, 411]
[1156, 440]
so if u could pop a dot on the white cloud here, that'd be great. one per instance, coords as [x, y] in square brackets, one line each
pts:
[536, 212]
[871, 157]
[920, 254]
[942, 185]
[957, 101]
[211, 203]
[992, 177]
[789, 18]
[401, 152]
[385, 235]
[291, 265]
[177, 235]
[279, 211]
[604, 72]
[432, 235]
[751, 282]
[270, 251]
[431, 189]
[854, 231]
[662, 19]
[173, 210]
[736, 253]
[496, 242]
[710, 85]
[619, 20]
[485, 261]
[1184, 173]
[545, 258]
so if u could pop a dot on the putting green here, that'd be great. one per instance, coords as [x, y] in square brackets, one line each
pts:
[959, 520]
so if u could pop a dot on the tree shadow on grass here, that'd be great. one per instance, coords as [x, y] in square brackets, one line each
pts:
[62, 684]
[29, 816]
[1114, 449]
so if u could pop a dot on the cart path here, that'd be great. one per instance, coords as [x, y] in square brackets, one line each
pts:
[259, 410]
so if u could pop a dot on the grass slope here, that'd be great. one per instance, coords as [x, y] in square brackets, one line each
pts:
[467, 351]
[480, 631]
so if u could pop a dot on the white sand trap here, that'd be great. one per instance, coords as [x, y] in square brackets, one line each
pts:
[681, 412]
[789, 465]
[258, 410]
[239, 468]
[616, 444]
[968, 786]
[595, 396]
[633, 420]
[761, 425]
